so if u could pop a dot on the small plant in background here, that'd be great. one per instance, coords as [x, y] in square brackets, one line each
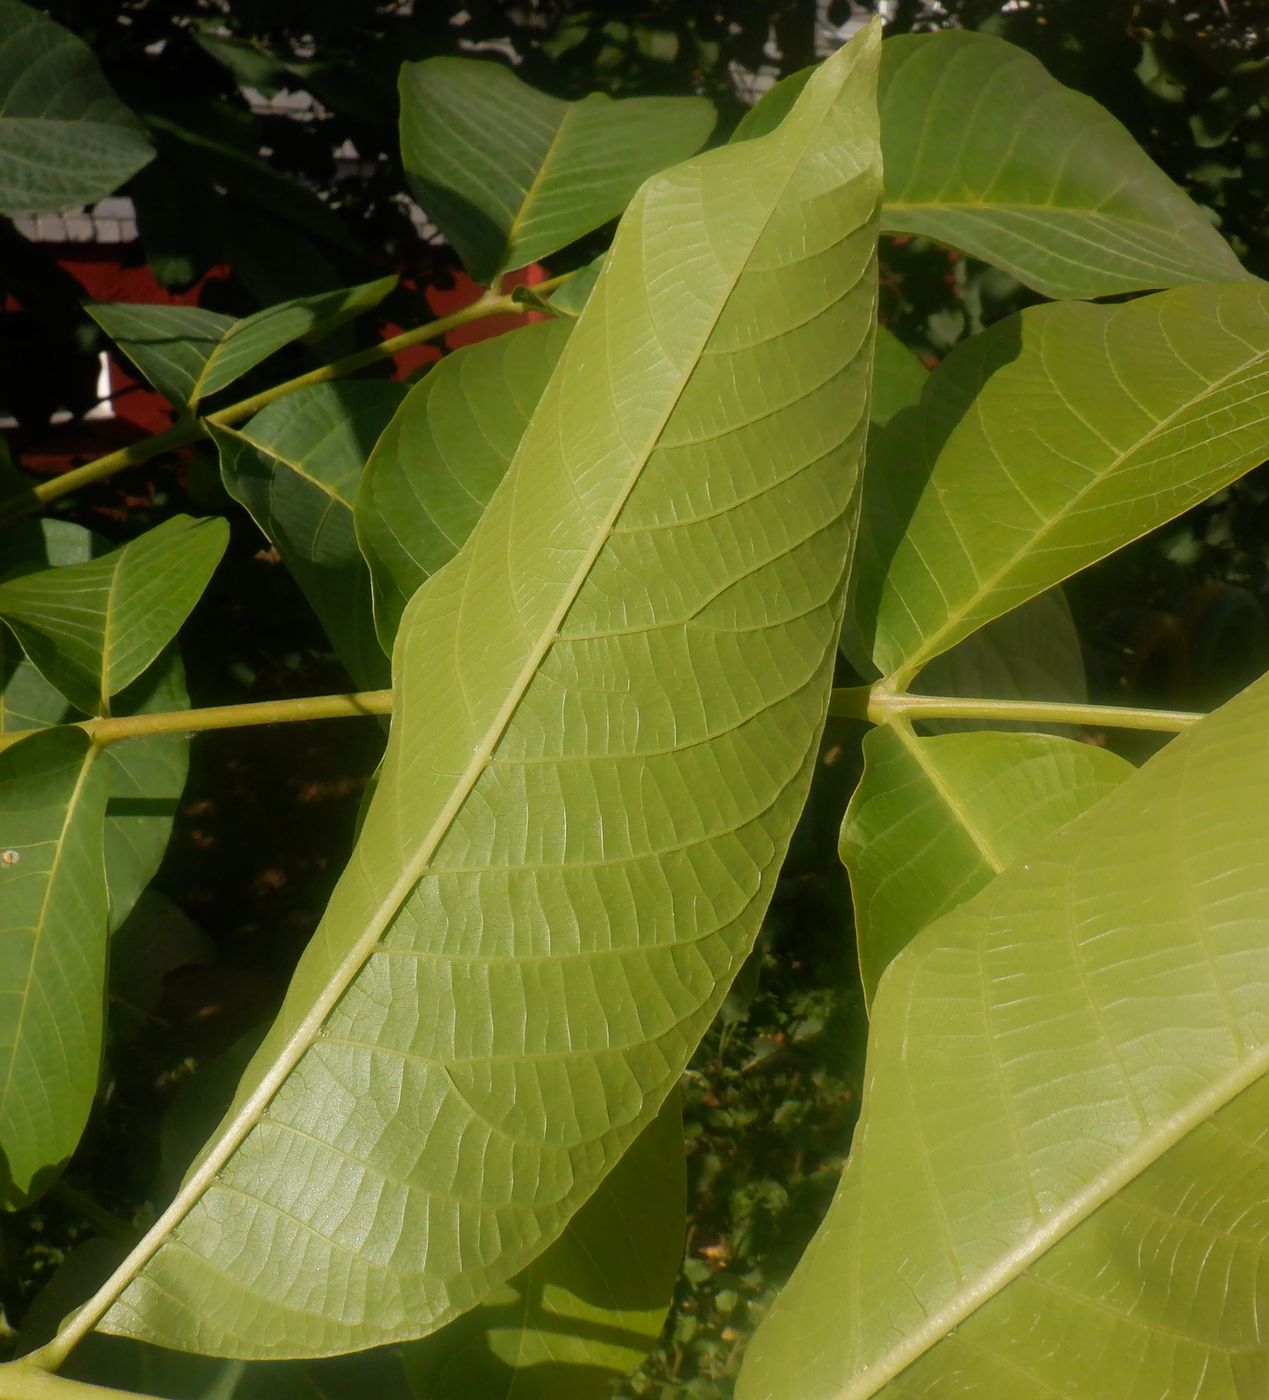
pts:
[626, 585]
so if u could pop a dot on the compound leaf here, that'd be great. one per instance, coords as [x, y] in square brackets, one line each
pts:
[188, 353]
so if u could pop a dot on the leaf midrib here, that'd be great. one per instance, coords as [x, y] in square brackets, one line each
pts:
[303, 1036]
[934, 643]
[72, 807]
[1038, 1241]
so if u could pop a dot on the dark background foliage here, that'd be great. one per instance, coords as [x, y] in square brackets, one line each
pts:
[1179, 619]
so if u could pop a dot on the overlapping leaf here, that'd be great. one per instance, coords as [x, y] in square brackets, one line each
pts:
[1058, 1182]
[145, 776]
[587, 1311]
[188, 353]
[65, 138]
[509, 980]
[1046, 443]
[296, 466]
[898, 378]
[92, 628]
[934, 819]
[442, 456]
[511, 175]
[983, 150]
[53, 925]
[1032, 652]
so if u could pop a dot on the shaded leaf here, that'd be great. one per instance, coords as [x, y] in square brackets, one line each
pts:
[588, 1310]
[934, 819]
[1032, 652]
[511, 175]
[92, 628]
[65, 138]
[987, 152]
[154, 940]
[146, 776]
[53, 914]
[574, 294]
[1064, 1130]
[898, 378]
[296, 467]
[505, 988]
[188, 353]
[442, 456]
[1045, 444]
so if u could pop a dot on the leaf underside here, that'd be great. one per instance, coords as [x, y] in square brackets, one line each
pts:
[1060, 1172]
[1048, 442]
[508, 981]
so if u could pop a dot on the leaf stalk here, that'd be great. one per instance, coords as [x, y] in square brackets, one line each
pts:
[188, 430]
[879, 705]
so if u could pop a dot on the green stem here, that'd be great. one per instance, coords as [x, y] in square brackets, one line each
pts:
[189, 430]
[114, 729]
[20, 1380]
[877, 705]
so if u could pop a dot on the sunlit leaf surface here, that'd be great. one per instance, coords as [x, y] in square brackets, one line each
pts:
[441, 457]
[934, 819]
[1058, 1183]
[588, 1310]
[510, 979]
[92, 628]
[1048, 442]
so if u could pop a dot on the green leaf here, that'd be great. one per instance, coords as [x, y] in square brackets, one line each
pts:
[575, 293]
[933, 820]
[1030, 653]
[774, 105]
[504, 987]
[188, 353]
[53, 913]
[1048, 442]
[1063, 1135]
[146, 776]
[65, 138]
[511, 175]
[588, 1310]
[984, 151]
[156, 939]
[296, 467]
[92, 628]
[442, 456]
[987, 152]
[898, 378]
